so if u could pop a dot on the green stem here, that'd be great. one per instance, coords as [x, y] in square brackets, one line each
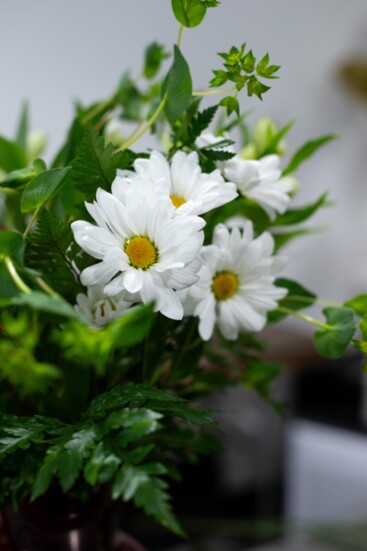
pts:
[33, 219]
[15, 276]
[311, 301]
[180, 36]
[136, 136]
[45, 287]
[303, 317]
[214, 92]
[98, 109]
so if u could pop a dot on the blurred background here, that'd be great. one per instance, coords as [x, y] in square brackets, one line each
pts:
[305, 471]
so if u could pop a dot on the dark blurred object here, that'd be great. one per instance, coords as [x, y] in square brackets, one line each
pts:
[353, 74]
[57, 522]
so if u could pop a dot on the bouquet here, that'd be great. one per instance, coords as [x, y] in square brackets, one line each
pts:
[133, 283]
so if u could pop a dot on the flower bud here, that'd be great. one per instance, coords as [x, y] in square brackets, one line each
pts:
[113, 132]
[35, 144]
[293, 182]
[264, 133]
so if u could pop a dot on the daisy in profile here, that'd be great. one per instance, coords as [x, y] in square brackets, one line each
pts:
[99, 309]
[142, 248]
[191, 191]
[259, 180]
[236, 286]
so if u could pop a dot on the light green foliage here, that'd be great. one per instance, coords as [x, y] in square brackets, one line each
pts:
[358, 303]
[12, 156]
[189, 13]
[18, 363]
[241, 68]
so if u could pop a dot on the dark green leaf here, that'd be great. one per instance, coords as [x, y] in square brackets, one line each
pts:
[306, 151]
[45, 474]
[298, 297]
[69, 465]
[189, 13]
[177, 87]
[132, 327]
[95, 165]
[333, 340]
[43, 187]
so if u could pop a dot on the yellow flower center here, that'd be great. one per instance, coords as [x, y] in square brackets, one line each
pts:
[177, 201]
[141, 251]
[224, 285]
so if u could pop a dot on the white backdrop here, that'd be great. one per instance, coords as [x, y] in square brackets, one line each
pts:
[53, 52]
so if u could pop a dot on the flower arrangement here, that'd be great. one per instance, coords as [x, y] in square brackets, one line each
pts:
[134, 283]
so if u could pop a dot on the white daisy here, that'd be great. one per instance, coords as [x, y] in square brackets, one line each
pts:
[98, 308]
[261, 181]
[258, 180]
[191, 191]
[142, 248]
[236, 286]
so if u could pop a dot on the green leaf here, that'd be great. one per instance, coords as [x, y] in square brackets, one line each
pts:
[46, 252]
[358, 303]
[131, 328]
[23, 127]
[95, 165]
[231, 104]
[248, 62]
[255, 87]
[43, 187]
[272, 147]
[12, 156]
[44, 303]
[177, 87]
[154, 55]
[189, 13]
[12, 244]
[298, 215]
[220, 78]
[102, 465]
[45, 474]
[307, 151]
[69, 465]
[333, 340]
[281, 239]
[18, 179]
[298, 297]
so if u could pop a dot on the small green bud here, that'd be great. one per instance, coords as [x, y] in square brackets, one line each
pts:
[296, 186]
[248, 152]
[113, 133]
[264, 134]
[36, 142]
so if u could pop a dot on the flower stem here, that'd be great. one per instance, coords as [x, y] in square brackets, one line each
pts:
[214, 92]
[32, 220]
[303, 317]
[136, 136]
[180, 36]
[45, 287]
[98, 109]
[15, 276]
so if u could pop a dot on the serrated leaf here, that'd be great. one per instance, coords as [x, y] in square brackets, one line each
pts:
[189, 13]
[306, 151]
[69, 465]
[43, 187]
[95, 165]
[47, 252]
[12, 156]
[102, 465]
[231, 104]
[333, 340]
[45, 474]
[177, 87]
